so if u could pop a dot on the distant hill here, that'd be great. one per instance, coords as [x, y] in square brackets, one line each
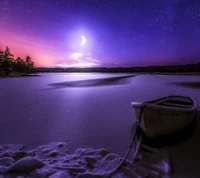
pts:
[189, 68]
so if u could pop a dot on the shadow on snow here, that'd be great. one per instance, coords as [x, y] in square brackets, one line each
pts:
[122, 80]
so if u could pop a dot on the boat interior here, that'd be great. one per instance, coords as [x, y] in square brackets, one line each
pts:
[175, 101]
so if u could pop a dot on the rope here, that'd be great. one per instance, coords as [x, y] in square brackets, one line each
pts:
[138, 133]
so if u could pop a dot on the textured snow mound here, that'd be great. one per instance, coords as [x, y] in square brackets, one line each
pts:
[55, 160]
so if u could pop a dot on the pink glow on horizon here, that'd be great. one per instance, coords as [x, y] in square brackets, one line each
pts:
[21, 46]
[45, 54]
[42, 54]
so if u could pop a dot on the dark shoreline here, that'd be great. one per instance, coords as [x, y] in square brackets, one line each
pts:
[19, 75]
[171, 69]
[134, 73]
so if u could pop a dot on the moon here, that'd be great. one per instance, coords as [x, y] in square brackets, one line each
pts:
[83, 40]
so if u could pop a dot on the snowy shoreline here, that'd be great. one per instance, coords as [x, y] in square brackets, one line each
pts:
[55, 161]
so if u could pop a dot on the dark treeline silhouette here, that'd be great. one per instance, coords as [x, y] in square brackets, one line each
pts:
[189, 68]
[9, 65]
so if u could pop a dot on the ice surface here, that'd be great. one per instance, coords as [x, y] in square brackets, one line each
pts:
[51, 108]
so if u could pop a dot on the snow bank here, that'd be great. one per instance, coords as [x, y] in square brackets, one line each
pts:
[56, 161]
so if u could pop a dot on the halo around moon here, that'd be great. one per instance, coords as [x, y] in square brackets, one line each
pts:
[83, 40]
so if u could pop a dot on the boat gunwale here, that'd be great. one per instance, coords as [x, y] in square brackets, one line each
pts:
[151, 104]
[165, 112]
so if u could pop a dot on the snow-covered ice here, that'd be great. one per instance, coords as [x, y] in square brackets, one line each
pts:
[85, 126]
[56, 161]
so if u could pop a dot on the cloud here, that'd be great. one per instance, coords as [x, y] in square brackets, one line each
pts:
[45, 53]
[78, 59]
[77, 55]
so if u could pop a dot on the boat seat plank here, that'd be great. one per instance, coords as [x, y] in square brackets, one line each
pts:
[175, 105]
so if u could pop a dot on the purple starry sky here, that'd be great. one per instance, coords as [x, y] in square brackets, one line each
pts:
[102, 33]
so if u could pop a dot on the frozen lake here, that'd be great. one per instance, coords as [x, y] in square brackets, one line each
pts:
[84, 110]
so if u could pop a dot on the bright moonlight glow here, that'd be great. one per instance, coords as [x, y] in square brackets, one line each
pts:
[76, 55]
[83, 40]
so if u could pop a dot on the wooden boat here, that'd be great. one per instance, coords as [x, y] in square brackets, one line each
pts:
[165, 115]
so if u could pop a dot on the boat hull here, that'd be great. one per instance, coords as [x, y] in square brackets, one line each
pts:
[160, 120]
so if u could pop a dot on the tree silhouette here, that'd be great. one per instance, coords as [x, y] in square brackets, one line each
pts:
[29, 64]
[7, 61]
[8, 64]
[1, 59]
[20, 65]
